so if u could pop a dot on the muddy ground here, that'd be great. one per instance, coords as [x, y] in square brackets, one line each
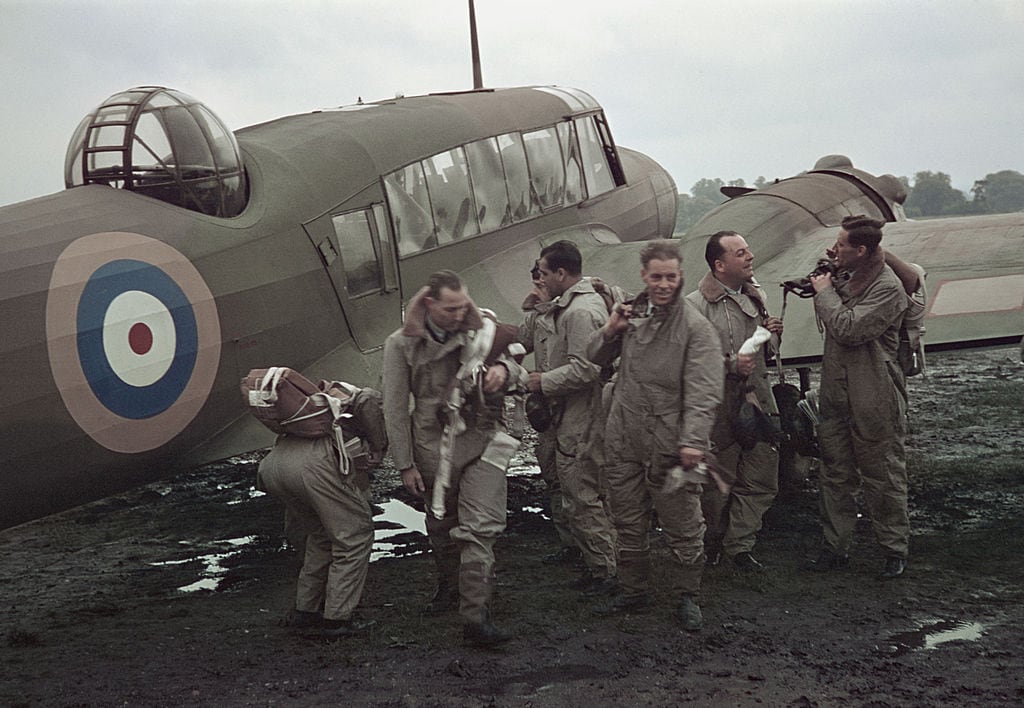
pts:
[173, 594]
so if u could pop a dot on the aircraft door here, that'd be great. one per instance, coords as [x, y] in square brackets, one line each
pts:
[361, 262]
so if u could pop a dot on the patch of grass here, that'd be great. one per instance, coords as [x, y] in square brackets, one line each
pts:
[998, 468]
[994, 394]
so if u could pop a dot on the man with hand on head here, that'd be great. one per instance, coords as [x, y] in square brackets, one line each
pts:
[663, 406]
[450, 448]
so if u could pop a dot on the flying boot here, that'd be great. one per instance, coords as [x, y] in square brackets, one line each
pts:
[476, 585]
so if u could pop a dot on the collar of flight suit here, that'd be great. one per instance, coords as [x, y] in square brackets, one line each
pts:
[415, 324]
[712, 290]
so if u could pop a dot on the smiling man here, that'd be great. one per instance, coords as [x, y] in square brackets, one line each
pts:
[735, 304]
[663, 406]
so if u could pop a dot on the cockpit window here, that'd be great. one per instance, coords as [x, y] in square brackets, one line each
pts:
[161, 143]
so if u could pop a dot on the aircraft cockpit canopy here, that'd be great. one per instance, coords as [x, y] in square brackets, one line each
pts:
[164, 144]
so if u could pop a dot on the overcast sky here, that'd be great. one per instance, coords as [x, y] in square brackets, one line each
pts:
[723, 88]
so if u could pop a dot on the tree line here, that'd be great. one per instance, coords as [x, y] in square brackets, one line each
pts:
[930, 194]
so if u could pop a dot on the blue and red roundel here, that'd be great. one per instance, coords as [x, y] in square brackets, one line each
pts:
[133, 337]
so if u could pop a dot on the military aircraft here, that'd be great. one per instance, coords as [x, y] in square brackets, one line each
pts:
[974, 265]
[181, 256]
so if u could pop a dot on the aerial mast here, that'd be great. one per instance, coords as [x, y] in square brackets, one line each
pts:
[478, 79]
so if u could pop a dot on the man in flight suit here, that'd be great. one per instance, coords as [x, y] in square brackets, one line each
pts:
[863, 401]
[572, 385]
[663, 406]
[454, 431]
[734, 303]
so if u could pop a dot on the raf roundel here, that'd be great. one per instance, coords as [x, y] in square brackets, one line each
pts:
[133, 338]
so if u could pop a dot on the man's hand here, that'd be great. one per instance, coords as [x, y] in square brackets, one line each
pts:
[412, 481]
[617, 322]
[745, 364]
[773, 325]
[495, 378]
[690, 457]
[821, 282]
[533, 385]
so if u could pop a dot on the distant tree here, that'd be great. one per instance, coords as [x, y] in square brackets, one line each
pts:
[933, 195]
[760, 182]
[690, 209]
[709, 189]
[1002, 192]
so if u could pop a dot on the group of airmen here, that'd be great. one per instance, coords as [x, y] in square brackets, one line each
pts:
[637, 401]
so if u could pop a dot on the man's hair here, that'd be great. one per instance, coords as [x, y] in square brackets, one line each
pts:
[442, 279]
[563, 254]
[863, 231]
[660, 250]
[714, 250]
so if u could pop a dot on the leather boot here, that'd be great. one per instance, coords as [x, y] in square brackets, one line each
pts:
[476, 585]
[689, 614]
[446, 596]
[634, 571]
[444, 599]
[484, 633]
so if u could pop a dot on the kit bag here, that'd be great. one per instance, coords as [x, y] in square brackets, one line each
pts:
[288, 403]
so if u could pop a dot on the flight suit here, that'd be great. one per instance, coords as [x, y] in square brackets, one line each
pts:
[666, 394]
[327, 512]
[572, 384]
[545, 448]
[462, 542]
[863, 407]
[733, 520]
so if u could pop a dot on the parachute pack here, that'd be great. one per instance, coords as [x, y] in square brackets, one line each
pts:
[288, 403]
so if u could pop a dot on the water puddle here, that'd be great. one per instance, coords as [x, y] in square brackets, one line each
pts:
[931, 635]
[522, 470]
[213, 571]
[398, 531]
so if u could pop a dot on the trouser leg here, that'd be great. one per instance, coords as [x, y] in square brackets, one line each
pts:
[348, 525]
[482, 510]
[757, 483]
[443, 548]
[839, 481]
[312, 581]
[591, 527]
[545, 451]
[679, 513]
[884, 473]
[634, 576]
[630, 505]
[715, 505]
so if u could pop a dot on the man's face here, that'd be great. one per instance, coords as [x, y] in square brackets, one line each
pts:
[846, 254]
[663, 279]
[736, 265]
[449, 309]
[553, 281]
